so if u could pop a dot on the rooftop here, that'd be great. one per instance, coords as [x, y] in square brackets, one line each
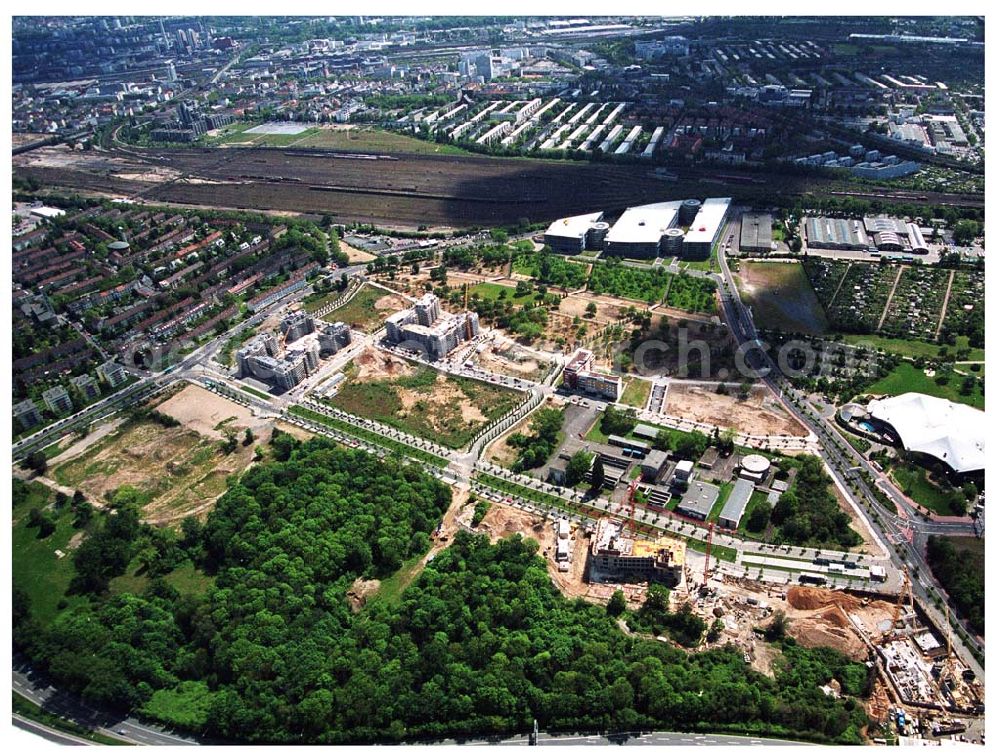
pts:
[706, 223]
[644, 224]
[575, 227]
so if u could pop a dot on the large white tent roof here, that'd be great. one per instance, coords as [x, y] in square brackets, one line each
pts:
[953, 433]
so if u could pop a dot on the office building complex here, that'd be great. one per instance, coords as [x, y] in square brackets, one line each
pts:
[641, 232]
[424, 327]
[706, 228]
[575, 234]
[579, 375]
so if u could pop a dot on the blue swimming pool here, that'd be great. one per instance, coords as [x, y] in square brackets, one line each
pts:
[868, 427]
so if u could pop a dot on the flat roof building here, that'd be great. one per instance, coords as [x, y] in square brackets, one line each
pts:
[736, 504]
[698, 500]
[27, 414]
[569, 235]
[706, 227]
[640, 231]
[614, 555]
[579, 374]
[755, 232]
[57, 400]
[836, 233]
[426, 328]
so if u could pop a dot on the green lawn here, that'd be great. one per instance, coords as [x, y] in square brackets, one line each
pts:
[724, 490]
[493, 291]
[370, 139]
[36, 567]
[636, 392]
[910, 348]
[905, 378]
[912, 480]
[360, 312]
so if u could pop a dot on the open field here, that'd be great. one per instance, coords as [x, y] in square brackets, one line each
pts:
[178, 470]
[636, 392]
[781, 297]
[434, 190]
[760, 414]
[512, 360]
[420, 400]
[366, 310]
[905, 378]
[369, 139]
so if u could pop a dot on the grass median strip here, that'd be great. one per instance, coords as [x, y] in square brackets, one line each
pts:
[368, 436]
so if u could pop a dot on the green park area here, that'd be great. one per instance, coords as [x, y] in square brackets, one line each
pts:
[781, 298]
[905, 378]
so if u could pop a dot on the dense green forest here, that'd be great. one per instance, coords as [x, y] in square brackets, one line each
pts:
[962, 574]
[481, 642]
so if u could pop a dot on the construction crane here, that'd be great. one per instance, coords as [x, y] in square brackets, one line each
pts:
[904, 588]
[947, 669]
[630, 505]
[708, 554]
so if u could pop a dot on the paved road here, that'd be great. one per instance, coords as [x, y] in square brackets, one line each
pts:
[37, 689]
[844, 462]
[655, 738]
[51, 735]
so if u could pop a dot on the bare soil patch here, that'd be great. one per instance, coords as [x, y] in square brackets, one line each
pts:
[756, 415]
[207, 413]
[375, 364]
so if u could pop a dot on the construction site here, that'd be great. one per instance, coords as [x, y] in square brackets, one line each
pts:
[920, 688]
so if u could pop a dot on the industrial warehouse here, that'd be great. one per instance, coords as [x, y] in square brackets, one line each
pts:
[688, 228]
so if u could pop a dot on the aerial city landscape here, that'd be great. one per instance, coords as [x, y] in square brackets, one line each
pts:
[529, 380]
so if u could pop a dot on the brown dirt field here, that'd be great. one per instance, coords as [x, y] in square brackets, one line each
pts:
[499, 452]
[820, 631]
[374, 364]
[391, 303]
[609, 309]
[491, 358]
[182, 472]
[355, 256]
[813, 598]
[764, 656]
[203, 411]
[294, 430]
[705, 405]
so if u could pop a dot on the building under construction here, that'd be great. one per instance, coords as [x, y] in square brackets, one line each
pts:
[424, 327]
[617, 555]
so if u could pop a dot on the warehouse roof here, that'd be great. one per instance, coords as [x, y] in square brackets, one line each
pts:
[953, 433]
